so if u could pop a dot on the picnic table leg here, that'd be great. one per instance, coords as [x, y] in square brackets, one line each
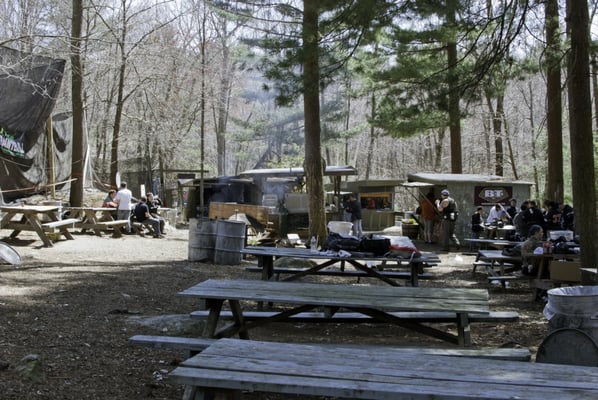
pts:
[372, 273]
[267, 264]
[6, 220]
[235, 308]
[92, 218]
[196, 393]
[464, 330]
[215, 306]
[63, 230]
[37, 227]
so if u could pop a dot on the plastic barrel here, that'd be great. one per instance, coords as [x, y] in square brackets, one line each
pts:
[230, 240]
[202, 239]
[573, 307]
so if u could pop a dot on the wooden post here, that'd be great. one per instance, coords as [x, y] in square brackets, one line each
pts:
[50, 152]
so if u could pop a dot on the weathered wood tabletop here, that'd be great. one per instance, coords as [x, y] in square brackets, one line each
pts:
[266, 256]
[375, 301]
[30, 218]
[380, 373]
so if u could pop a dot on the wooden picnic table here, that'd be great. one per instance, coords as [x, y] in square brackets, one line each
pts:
[496, 257]
[97, 219]
[230, 366]
[266, 255]
[32, 218]
[377, 302]
[497, 243]
[539, 281]
[499, 232]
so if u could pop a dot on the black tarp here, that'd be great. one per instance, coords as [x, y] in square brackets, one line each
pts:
[29, 85]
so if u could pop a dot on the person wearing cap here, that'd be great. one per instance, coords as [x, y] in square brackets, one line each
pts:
[449, 213]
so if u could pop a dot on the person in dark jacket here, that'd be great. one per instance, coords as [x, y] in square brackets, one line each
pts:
[354, 208]
[449, 212]
[143, 215]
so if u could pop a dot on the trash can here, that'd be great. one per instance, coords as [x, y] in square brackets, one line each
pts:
[572, 315]
[573, 307]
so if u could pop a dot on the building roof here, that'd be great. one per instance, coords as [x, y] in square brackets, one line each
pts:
[332, 170]
[443, 179]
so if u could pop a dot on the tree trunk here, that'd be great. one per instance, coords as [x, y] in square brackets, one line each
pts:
[313, 159]
[372, 141]
[77, 164]
[580, 125]
[497, 118]
[453, 95]
[119, 100]
[554, 179]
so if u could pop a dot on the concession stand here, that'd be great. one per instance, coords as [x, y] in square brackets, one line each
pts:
[469, 191]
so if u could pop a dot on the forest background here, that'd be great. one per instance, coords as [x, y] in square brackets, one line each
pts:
[402, 86]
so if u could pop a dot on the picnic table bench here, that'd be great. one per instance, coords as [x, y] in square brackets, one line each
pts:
[98, 219]
[230, 366]
[277, 271]
[377, 302]
[193, 345]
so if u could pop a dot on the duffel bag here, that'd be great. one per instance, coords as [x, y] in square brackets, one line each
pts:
[378, 245]
[338, 241]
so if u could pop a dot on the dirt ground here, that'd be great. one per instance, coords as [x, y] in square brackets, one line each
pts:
[73, 305]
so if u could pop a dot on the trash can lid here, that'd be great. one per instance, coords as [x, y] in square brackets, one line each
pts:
[9, 254]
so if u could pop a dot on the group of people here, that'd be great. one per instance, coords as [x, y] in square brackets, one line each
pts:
[553, 216]
[145, 211]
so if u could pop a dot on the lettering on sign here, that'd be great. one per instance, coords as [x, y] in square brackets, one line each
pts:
[486, 195]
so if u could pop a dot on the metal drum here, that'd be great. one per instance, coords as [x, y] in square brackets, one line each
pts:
[568, 346]
[230, 240]
[202, 239]
[573, 326]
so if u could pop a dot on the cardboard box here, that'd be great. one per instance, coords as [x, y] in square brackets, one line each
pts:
[565, 271]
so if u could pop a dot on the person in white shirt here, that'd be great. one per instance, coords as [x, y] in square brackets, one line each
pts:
[496, 214]
[123, 199]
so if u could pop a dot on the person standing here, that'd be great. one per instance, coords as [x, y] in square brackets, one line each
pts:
[428, 214]
[354, 208]
[512, 209]
[123, 200]
[449, 212]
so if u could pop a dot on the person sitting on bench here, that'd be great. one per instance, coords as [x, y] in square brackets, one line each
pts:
[143, 216]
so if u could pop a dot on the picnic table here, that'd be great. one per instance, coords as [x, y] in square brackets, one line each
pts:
[230, 366]
[266, 255]
[97, 219]
[496, 243]
[42, 219]
[374, 301]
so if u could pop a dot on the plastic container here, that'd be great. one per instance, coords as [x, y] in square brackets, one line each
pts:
[342, 227]
[554, 235]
